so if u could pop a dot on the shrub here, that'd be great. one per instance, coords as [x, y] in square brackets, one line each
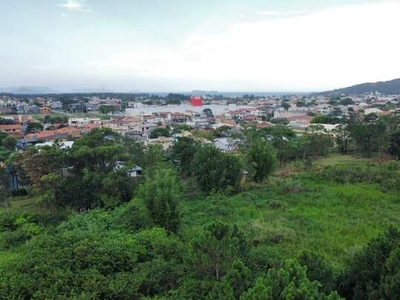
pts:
[19, 192]
[11, 239]
[290, 186]
[277, 205]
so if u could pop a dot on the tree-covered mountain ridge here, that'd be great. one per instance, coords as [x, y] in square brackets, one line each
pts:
[391, 87]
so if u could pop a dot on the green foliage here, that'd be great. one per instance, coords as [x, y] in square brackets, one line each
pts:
[182, 154]
[175, 98]
[215, 248]
[282, 138]
[315, 142]
[161, 194]
[221, 290]
[17, 229]
[288, 282]
[167, 242]
[216, 171]
[280, 121]
[346, 101]
[52, 119]
[9, 142]
[239, 277]
[132, 216]
[318, 269]
[394, 143]
[223, 131]
[369, 267]
[181, 127]
[369, 134]
[258, 292]
[326, 119]
[385, 176]
[343, 139]
[34, 127]
[261, 157]
[285, 104]
[88, 169]
[153, 156]
[173, 101]
[87, 258]
[105, 109]
[155, 133]
[4, 121]
[290, 186]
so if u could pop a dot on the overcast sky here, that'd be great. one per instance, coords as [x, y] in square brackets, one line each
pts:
[181, 45]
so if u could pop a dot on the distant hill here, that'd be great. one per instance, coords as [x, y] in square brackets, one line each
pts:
[91, 91]
[200, 92]
[391, 87]
[28, 90]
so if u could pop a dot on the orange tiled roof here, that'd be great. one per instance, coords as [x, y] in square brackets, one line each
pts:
[264, 124]
[48, 134]
[10, 127]
[92, 126]
[229, 122]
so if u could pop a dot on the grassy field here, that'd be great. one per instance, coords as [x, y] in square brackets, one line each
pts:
[23, 204]
[323, 161]
[333, 220]
[291, 214]
[336, 158]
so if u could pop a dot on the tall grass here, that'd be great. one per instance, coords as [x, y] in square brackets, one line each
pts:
[332, 219]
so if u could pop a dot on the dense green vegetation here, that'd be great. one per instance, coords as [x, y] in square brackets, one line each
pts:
[292, 225]
[203, 224]
[391, 87]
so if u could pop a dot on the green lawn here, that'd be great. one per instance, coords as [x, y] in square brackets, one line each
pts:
[334, 220]
[336, 158]
[23, 204]
[329, 160]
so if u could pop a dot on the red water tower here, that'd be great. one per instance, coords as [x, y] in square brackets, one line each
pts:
[196, 101]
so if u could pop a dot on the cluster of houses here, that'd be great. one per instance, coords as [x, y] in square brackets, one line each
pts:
[46, 105]
[138, 120]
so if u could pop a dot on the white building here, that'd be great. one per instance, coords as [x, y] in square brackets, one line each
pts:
[80, 122]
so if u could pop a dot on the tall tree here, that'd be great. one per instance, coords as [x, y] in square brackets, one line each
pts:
[182, 154]
[288, 282]
[342, 138]
[261, 157]
[161, 195]
[394, 143]
[216, 171]
[362, 278]
[215, 249]
[282, 138]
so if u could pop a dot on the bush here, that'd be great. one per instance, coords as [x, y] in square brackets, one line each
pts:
[7, 222]
[11, 239]
[19, 192]
[386, 177]
[290, 186]
[277, 205]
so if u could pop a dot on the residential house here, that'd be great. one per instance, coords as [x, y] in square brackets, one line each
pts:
[225, 144]
[165, 142]
[80, 122]
[11, 128]
[78, 107]
[45, 110]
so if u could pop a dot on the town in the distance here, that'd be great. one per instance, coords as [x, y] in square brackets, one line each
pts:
[37, 120]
